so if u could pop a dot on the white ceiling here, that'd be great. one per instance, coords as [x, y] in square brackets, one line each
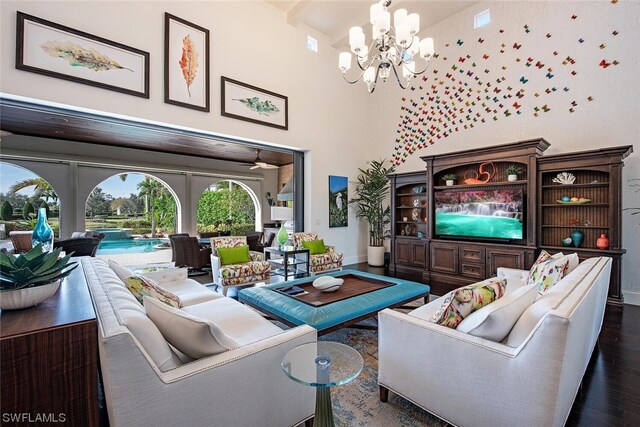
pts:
[334, 17]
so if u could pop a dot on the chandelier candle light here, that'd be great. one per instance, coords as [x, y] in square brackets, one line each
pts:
[392, 48]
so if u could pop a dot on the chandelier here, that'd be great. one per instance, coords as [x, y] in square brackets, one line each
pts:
[392, 48]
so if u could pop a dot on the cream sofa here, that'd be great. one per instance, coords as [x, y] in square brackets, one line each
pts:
[472, 381]
[148, 383]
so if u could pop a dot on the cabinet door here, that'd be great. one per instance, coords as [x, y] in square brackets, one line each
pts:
[403, 252]
[444, 257]
[503, 257]
[418, 254]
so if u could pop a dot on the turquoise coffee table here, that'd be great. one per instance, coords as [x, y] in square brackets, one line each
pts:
[334, 315]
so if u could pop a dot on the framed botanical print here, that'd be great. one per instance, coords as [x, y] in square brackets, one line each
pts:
[253, 104]
[54, 50]
[186, 63]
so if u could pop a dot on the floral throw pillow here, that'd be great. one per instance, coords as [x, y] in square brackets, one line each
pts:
[547, 274]
[542, 258]
[140, 286]
[464, 301]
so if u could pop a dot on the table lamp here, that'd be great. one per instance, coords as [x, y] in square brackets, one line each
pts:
[281, 214]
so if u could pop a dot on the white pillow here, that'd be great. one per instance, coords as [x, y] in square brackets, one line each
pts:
[494, 321]
[122, 272]
[193, 336]
[164, 275]
[532, 316]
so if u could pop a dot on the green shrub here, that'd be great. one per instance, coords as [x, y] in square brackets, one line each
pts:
[141, 230]
[28, 211]
[235, 229]
[6, 211]
[134, 223]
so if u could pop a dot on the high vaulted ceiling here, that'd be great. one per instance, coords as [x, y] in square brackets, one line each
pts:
[334, 17]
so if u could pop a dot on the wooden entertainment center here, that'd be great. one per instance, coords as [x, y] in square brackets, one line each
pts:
[447, 262]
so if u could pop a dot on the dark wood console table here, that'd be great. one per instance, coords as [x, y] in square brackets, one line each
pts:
[49, 357]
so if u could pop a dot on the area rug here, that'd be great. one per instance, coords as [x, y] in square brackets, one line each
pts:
[358, 404]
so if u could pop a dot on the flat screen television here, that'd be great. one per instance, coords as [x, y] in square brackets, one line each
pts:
[486, 214]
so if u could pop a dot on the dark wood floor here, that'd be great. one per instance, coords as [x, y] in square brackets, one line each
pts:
[610, 394]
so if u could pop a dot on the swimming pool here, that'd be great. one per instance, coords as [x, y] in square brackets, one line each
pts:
[129, 246]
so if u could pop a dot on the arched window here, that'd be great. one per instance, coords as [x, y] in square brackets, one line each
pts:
[22, 192]
[132, 204]
[228, 206]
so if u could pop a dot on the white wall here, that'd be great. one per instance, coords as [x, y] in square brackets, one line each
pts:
[611, 119]
[250, 42]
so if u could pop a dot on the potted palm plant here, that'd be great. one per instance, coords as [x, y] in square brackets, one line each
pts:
[449, 179]
[371, 204]
[512, 172]
[30, 278]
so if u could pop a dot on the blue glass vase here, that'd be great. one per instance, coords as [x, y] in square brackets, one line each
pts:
[43, 233]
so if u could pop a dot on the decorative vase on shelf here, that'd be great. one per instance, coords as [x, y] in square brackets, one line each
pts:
[43, 233]
[577, 236]
[449, 182]
[512, 178]
[602, 242]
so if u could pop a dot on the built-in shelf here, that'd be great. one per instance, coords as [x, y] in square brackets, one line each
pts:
[411, 222]
[581, 249]
[488, 184]
[576, 226]
[560, 205]
[412, 207]
[586, 185]
[411, 194]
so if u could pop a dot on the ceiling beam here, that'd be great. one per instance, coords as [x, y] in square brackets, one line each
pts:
[299, 11]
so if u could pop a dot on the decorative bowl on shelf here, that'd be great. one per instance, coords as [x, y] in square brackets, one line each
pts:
[328, 283]
[574, 202]
[567, 241]
[418, 189]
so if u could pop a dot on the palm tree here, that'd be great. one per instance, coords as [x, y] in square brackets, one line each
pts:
[150, 189]
[42, 190]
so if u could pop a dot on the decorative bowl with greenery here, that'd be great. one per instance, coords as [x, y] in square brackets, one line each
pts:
[371, 195]
[29, 278]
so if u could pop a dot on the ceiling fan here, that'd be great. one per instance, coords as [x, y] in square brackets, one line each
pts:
[259, 164]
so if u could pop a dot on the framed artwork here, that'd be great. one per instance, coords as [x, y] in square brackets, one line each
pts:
[338, 200]
[54, 50]
[186, 64]
[252, 104]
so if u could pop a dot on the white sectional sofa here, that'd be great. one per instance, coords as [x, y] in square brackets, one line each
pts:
[472, 381]
[149, 383]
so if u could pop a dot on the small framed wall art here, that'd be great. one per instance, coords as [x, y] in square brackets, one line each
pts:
[54, 50]
[252, 104]
[186, 64]
[338, 199]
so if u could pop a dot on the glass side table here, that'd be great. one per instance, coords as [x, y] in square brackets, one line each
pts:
[323, 364]
[294, 261]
